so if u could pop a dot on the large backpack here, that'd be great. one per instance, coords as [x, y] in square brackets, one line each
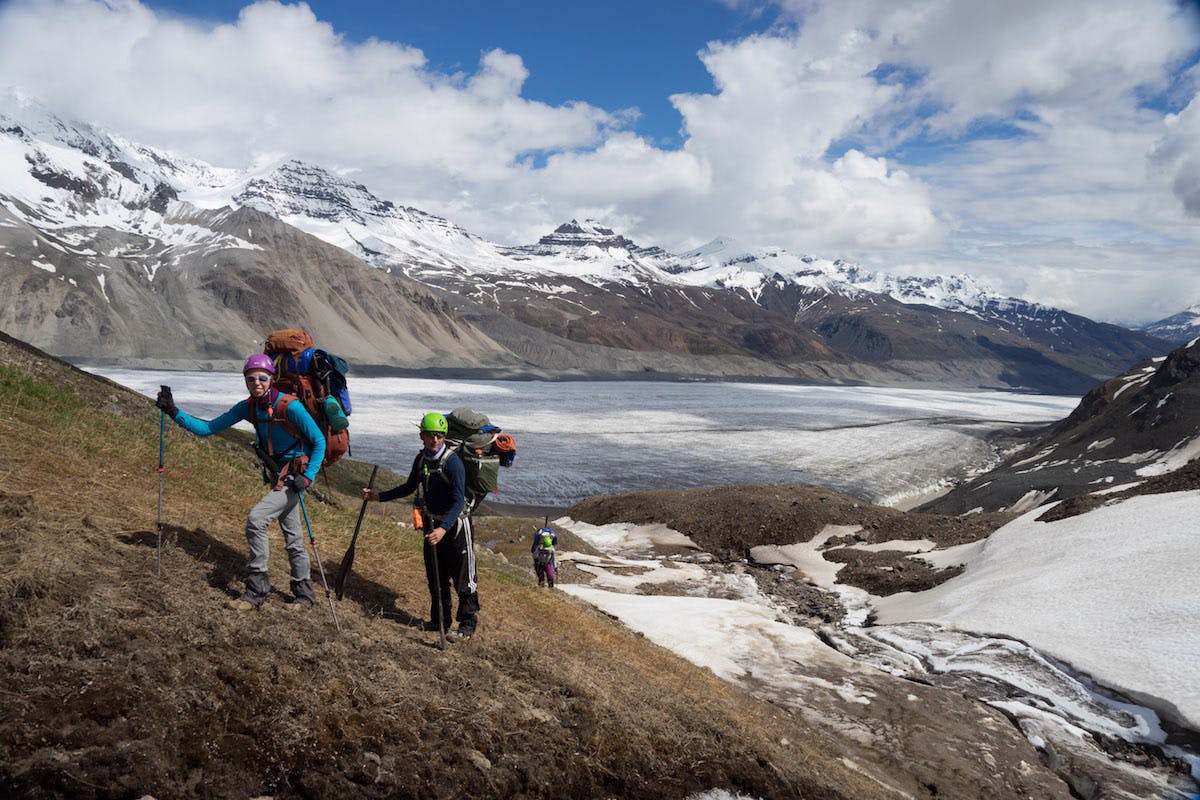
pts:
[483, 448]
[316, 378]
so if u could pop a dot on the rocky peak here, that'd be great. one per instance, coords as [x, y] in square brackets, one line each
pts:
[111, 168]
[296, 188]
[573, 235]
[1137, 427]
[27, 119]
[1181, 366]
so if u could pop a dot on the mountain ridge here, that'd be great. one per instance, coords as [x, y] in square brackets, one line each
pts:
[585, 298]
[1178, 328]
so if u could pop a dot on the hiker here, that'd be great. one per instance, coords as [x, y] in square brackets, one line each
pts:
[438, 473]
[545, 559]
[291, 448]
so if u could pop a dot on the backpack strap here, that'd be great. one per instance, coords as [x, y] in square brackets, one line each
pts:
[440, 471]
[276, 415]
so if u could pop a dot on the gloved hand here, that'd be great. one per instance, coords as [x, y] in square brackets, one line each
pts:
[300, 483]
[166, 402]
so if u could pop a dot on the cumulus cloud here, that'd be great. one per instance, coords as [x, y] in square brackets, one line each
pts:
[780, 104]
[280, 79]
[1178, 154]
[902, 132]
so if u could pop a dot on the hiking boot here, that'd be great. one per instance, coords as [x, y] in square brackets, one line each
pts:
[460, 634]
[298, 604]
[242, 604]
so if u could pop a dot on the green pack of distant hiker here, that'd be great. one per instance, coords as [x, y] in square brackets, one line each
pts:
[545, 556]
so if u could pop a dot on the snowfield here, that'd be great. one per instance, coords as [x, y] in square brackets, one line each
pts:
[1112, 592]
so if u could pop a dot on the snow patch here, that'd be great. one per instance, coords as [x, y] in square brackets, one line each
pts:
[956, 556]
[621, 537]
[1176, 457]
[806, 556]
[1031, 499]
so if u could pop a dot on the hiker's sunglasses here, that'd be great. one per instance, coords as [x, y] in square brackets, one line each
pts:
[258, 378]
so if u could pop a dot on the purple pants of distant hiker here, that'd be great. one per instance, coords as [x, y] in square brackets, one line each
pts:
[545, 572]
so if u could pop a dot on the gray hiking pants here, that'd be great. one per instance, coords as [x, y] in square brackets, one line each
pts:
[283, 505]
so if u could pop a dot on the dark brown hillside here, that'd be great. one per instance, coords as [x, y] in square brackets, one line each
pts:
[727, 521]
[1137, 430]
[120, 683]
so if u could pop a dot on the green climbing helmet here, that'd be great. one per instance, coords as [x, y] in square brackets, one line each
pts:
[434, 422]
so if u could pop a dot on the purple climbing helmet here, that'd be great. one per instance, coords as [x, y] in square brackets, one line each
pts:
[259, 361]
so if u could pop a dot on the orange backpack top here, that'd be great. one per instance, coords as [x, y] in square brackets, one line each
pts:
[317, 379]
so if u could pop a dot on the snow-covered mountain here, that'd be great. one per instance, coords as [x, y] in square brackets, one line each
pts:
[1179, 328]
[430, 248]
[102, 260]
[725, 262]
[844, 299]
[578, 279]
[585, 297]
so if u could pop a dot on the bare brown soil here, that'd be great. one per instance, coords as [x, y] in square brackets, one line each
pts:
[728, 521]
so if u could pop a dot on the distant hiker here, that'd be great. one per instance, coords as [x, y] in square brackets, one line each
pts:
[438, 473]
[545, 558]
[291, 448]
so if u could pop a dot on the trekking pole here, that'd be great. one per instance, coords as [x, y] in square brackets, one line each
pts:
[162, 433]
[437, 576]
[313, 541]
[348, 559]
[426, 521]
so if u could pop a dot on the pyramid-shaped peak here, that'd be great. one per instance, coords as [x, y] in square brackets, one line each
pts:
[589, 232]
[295, 187]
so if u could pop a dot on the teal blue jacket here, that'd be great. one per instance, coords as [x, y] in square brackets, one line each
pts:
[283, 445]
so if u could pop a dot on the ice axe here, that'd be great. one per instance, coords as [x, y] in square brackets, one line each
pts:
[348, 559]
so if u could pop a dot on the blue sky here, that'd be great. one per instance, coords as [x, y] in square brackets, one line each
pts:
[1050, 147]
[618, 54]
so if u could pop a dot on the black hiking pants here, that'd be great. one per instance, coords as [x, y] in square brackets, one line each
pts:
[456, 573]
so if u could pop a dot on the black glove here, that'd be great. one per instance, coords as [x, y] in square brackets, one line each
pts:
[166, 402]
[300, 483]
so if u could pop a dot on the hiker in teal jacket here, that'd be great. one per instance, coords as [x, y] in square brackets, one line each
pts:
[291, 452]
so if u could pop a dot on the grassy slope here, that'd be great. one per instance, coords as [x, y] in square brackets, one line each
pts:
[120, 682]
